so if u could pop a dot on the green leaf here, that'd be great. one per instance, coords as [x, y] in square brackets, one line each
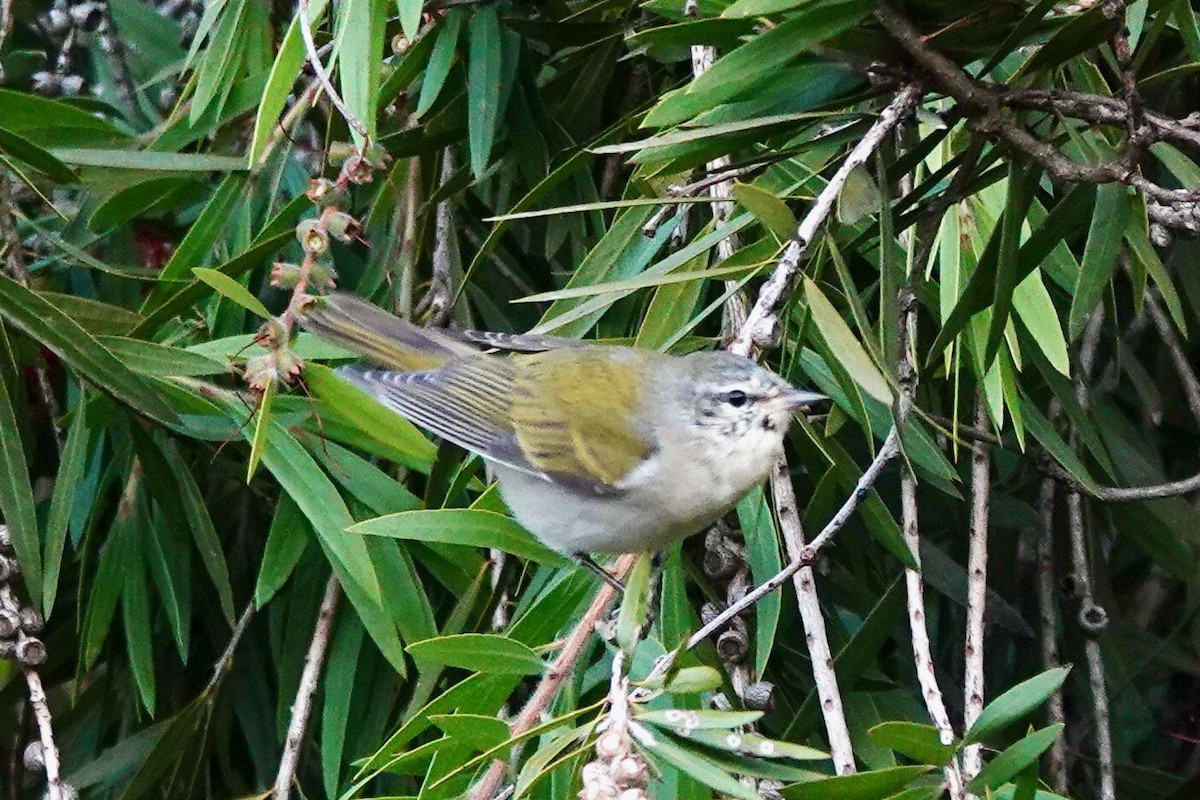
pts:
[345, 651]
[1014, 758]
[768, 209]
[1015, 704]
[16, 494]
[762, 56]
[478, 732]
[282, 78]
[66, 484]
[148, 160]
[761, 540]
[22, 149]
[186, 493]
[262, 422]
[841, 340]
[479, 652]
[1114, 211]
[410, 16]
[693, 680]
[228, 287]
[441, 59]
[692, 719]
[358, 39]
[693, 763]
[286, 540]
[1022, 182]
[160, 360]
[470, 527]
[135, 608]
[54, 122]
[872, 785]
[919, 742]
[761, 8]
[634, 605]
[483, 85]
[43, 322]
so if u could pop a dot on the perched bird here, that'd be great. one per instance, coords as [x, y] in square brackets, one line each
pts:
[596, 449]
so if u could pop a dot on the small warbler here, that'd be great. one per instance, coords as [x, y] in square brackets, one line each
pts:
[596, 449]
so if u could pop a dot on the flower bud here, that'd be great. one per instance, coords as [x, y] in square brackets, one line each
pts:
[34, 756]
[610, 745]
[342, 225]
[337, 152]
[285, 275]
[312, 237]
[321, 191]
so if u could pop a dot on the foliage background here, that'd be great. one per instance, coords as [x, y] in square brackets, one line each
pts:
[142, 144]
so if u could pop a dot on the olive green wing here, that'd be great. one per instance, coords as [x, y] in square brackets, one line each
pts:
[575, 415]
[568, 420]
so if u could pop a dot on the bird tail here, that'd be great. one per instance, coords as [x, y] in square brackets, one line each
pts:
[377, 336]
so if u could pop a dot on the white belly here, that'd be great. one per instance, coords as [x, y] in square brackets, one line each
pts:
[646, 515]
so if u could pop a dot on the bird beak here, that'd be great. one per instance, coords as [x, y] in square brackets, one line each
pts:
[798, 398]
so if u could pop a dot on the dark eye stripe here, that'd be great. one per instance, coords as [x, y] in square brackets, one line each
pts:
[735, 397]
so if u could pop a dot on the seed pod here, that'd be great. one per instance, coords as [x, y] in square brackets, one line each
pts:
[5, 540]
[10, 623]
[758, 695]
[31, 620]
[733, 646]
[31, 652]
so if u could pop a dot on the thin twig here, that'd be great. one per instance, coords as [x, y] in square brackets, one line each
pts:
[440, 297]
[1092, 618]
[14, 264]
[762, 319]
[808, 554]
[841, 749]
[931, 693]
[221, 668]
[314, 660]
[1056, 758]
[1183, 365]
[572, 647]
[314, 58]
[982, 106]
[51, 763]
[977, 563]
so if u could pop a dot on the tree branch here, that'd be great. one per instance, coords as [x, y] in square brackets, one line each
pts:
[314, 660]
[762, 321]
[977, 564]
[982, 106]
[553, 679]
[840, 747]
[322, 76]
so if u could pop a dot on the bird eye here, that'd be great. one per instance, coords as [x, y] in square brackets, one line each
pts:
[735, 398]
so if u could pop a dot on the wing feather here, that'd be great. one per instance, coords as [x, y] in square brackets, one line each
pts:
[540, 414]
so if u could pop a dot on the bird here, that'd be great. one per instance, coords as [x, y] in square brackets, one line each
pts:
[595, 448]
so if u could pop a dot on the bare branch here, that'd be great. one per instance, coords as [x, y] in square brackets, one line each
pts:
[931, 693]
[314, 58]
[1056, 759]
[977, 563]
[840, 746]
[982, 106]
[30, 652]
[314, 660]
[555, 675]
[762, 321]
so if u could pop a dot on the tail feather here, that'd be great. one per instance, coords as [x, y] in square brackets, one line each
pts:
[377, 336]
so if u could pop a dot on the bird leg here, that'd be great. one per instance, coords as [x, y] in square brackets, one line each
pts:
[585, 561]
